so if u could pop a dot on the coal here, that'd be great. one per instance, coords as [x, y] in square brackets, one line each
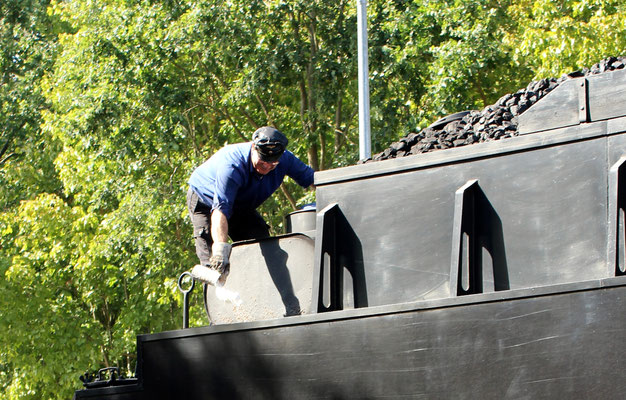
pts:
[494, 122]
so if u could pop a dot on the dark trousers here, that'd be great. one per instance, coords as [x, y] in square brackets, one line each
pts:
[242, 225]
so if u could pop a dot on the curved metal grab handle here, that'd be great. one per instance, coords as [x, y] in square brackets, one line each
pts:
[185, 293]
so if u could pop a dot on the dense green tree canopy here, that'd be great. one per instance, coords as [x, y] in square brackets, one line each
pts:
[106, 107]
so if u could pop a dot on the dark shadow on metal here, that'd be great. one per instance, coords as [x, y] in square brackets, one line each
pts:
[616, 225]
[337, 251]
[187, 368]
[276, 261]
[205, 292]
[274, 277]
[477, 226]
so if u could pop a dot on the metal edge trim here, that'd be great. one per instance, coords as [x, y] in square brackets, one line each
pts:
[466, 153]
[375, 311]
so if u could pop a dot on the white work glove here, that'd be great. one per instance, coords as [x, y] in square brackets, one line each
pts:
[221, 251]
[219, 265]
[220, 260]
[220, 257]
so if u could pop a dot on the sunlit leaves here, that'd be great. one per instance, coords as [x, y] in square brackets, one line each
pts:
[556, 37]
[43, 312]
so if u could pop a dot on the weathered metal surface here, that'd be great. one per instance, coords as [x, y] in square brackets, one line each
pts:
[300, 221]
[607, 95]
[585, 99]
[557, 342]
[272, 276]
[558, 109]
[130, 392]
[538, 194]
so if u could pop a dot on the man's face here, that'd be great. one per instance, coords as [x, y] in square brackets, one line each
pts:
[260, 166]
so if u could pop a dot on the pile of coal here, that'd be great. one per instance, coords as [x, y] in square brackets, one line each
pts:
[494, 122]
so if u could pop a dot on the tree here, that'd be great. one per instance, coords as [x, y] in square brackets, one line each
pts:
[556, 37]
[27, 50]
[108, 106]
[83, 263]
[27, 47]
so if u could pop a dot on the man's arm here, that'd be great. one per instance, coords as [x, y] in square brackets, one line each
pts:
[300, 172]
[219, 227]
[220, 250]
[219, 264]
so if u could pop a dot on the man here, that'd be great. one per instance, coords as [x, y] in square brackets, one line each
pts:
[225, 191]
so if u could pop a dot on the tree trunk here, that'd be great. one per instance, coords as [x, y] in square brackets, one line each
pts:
[313, 157]
[289, 197]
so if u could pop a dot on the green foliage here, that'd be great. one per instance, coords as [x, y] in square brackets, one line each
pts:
[106, 107]
[556, 37]
[471, 69]
[26, 52]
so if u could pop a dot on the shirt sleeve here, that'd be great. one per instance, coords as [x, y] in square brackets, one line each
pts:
[228, 180]
[300, 172]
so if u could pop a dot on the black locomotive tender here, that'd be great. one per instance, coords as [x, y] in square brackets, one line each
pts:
[487, 271]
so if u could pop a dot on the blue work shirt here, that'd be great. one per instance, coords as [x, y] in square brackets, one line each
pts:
[228, 181]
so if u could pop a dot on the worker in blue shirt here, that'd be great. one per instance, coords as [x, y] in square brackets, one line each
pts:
[225, 191]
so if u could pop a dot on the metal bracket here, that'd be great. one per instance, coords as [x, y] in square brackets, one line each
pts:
[478, 263]
[326, 289]
[616, 224]
[463, 269]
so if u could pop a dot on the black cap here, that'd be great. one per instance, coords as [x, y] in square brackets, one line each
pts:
[270, 143]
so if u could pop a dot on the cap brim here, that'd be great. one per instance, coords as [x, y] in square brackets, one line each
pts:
[270, 157]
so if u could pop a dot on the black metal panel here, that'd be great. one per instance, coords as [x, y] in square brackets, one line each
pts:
[557, 109]
[465, 154]
[539, 198]
[616, 129]
[132, 392]
[273, 277]
[555, 345]
[607, 95]
[587, 99]
[616, 224]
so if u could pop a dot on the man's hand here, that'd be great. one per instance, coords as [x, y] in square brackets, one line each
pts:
[219, 266]
[220, 259]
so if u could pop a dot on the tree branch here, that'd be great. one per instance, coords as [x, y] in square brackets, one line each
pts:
[313, 159]
[7, 158]
[322, 156]
[480, 90]
[289, 197]
[344, 134]
[338, 119]
[251, 121]
[225, 113]
[295, 24]
[191, 128]
[265, 111]
[303, 101]
[10, 137]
